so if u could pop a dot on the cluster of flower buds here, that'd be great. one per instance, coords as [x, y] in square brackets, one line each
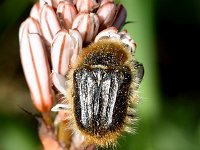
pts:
[54, 34]
[52, 37]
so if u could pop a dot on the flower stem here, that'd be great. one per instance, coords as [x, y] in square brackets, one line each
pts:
[47, 118]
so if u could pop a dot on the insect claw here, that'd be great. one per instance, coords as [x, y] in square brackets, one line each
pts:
[60, 107]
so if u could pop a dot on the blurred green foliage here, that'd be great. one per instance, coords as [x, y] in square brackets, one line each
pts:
[163, 124]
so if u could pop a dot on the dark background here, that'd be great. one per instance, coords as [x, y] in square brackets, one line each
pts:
[175, 32]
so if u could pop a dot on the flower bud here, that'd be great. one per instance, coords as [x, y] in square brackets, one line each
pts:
[77, 39]
[87, 25]
[44, 2]
[66, 12]
[59, 82]
[123, 36]
[107, 33]
[127, 40]
[49, 23]
[120, 17]
[35, 11]
[56, 2]
[106, 14]
[53, 3]
[86, 5]
[35, 65]
[64, 50]
[21, 29]
[106, 1]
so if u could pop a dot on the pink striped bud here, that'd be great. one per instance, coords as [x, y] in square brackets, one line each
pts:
[49, 23]
[21, 30]
[77, 39]
[66, 12]
[87, 25]
[44, 2]
[106, 1]
[59, 82]
[35, 65]
[64, 51]
[52, 3]
[86, 5]
[35, 11]
[106, 13]
[56, 2]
